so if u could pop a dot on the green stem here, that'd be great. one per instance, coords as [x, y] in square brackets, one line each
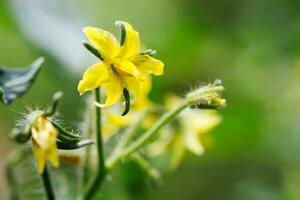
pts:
[140, 142]
[89, 116]
[47, 184]
[127, 136]
[146, 166]
[101, 171]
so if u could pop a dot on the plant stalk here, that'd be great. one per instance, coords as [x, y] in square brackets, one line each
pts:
[101, 171]
[147, 136]
[47, 184]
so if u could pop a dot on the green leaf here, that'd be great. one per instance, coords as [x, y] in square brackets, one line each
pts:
[76, 145]
[14, 82]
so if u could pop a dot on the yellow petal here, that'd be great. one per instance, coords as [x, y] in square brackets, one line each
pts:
[140, 89]
[103, 41]
[131, 45]
[93, 77]
[201, 121]
[148, 64]
[44, 143]
[127, 68]
[177, 151]
[146, 85]
[113, 89]
[133, 85]
[40, 133]
[52, 155]
[193, 143]
[117, 120]
[40, 156]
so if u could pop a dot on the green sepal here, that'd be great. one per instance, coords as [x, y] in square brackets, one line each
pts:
[55, 100]
[127, 101]
[123, 34]
[14, 82]
[66, 136]
[149, 52]
[92, 50]
[76, 145]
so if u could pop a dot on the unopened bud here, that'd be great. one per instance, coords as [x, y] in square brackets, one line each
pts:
[207, 97]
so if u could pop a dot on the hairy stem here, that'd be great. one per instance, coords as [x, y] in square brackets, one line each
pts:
[146, 167]
[47, 184]
[147, 136]
[101, 171]
[89, 130]
[127, 136]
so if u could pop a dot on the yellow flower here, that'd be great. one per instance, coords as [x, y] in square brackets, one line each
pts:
[121, 65]
[195, 123]
[44, 143]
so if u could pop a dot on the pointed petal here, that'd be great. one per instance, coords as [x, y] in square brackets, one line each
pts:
[202, 121]
[103, 41]
[117, 120]
[140, 89]
[193, 143]
[177, 151]
[40, 134]
[127, 68]
[52, 155]
[93, 77]
[148, 64]
[131, 45]
[133, 85]
[113, 89]
[40, 157]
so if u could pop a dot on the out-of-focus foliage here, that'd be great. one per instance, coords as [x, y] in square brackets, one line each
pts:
[16, 82]
[254, 46]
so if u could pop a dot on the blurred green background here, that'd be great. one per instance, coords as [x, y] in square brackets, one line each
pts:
[253, 46]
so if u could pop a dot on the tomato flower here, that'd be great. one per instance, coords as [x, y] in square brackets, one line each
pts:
[121, 66]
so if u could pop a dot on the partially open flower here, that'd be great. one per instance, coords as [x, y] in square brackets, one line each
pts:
[47, 135]
[122, 67]
[44, 137]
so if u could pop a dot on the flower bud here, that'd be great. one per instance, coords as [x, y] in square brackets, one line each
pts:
[207, 97]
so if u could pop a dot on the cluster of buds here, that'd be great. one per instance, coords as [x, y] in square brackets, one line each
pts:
[207, 97]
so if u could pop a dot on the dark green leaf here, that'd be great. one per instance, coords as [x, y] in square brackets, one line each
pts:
[77, 145]
[14, 82]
